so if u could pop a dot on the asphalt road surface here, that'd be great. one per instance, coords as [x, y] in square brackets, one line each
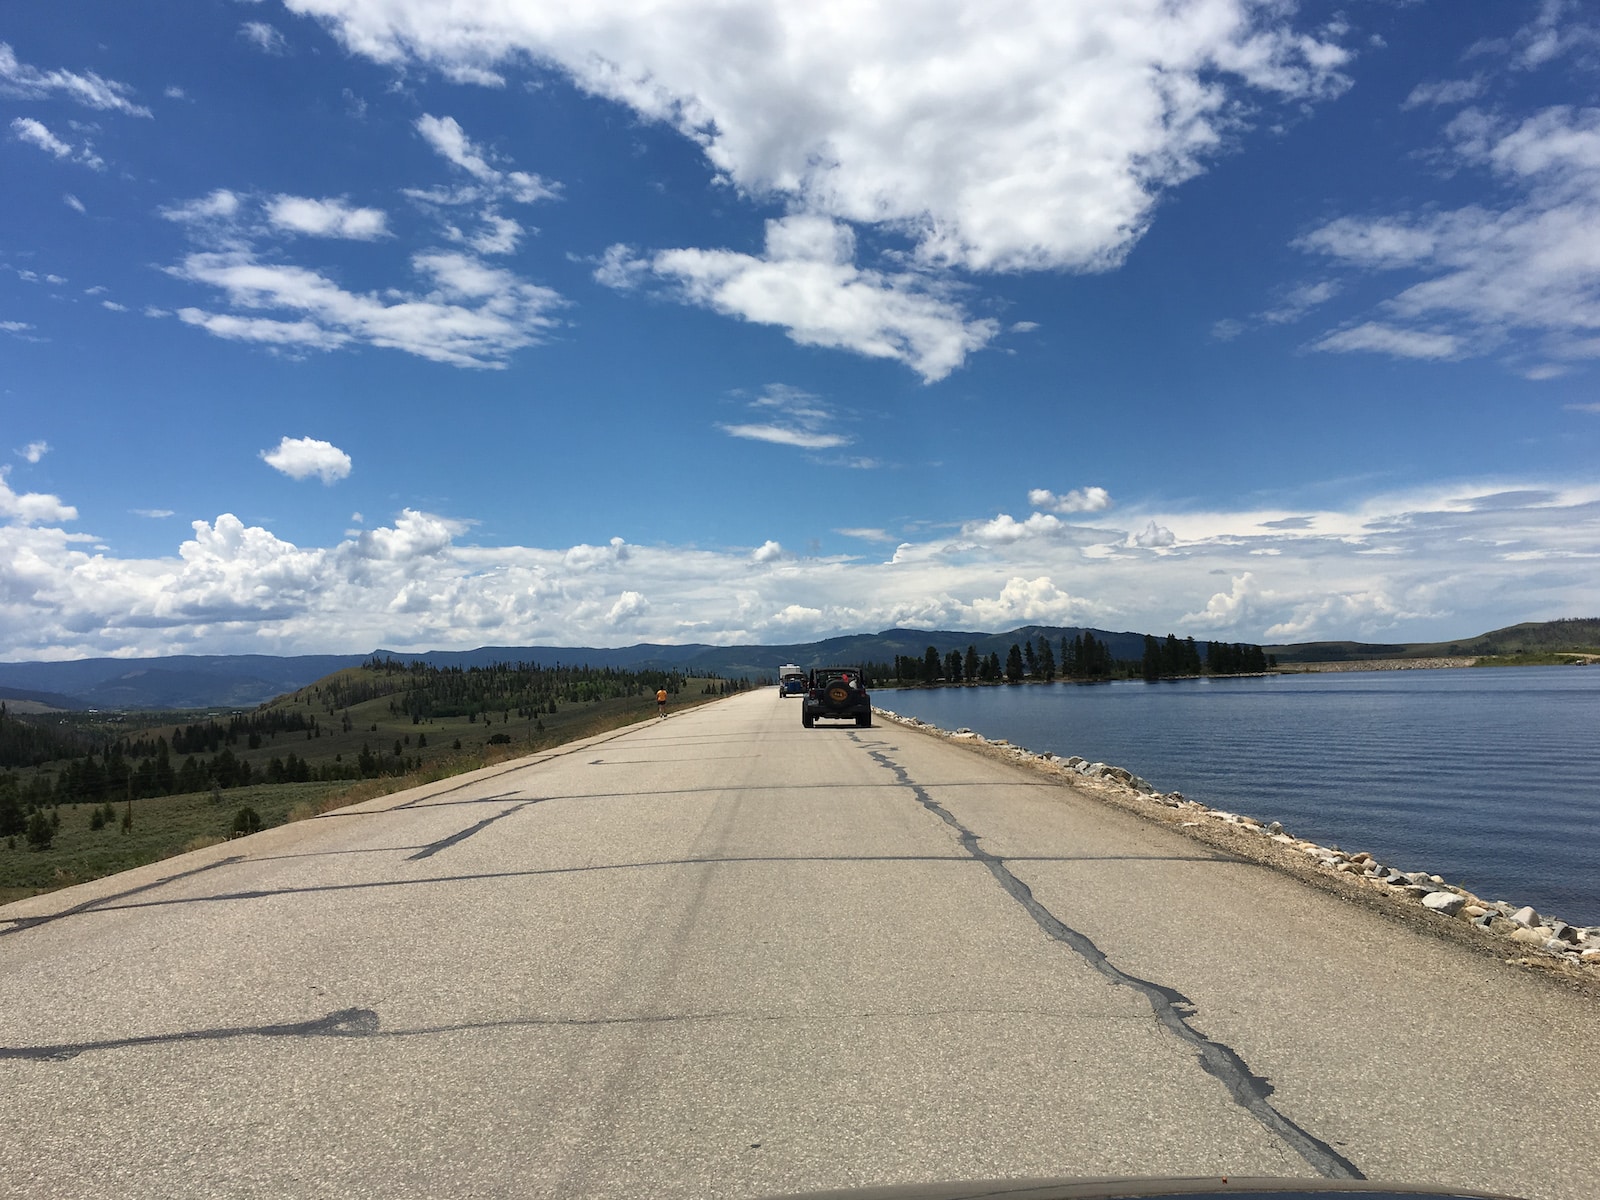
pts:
[723, 956]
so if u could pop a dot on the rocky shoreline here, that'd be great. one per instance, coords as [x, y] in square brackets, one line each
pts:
[1377, 664]
[1420, 898]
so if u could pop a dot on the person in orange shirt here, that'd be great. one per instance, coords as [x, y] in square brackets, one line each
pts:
[661, 703]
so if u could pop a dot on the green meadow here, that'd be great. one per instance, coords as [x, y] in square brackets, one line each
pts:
[375, 731]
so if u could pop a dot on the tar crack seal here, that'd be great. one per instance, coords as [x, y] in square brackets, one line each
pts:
[1172, 1008]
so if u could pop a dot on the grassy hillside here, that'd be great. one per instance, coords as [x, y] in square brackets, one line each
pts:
[1573, 635]
[374, 726]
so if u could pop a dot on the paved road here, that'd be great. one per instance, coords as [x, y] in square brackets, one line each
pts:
[723, 956]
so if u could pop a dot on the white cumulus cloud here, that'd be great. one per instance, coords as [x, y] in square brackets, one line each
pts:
[1443, 561]
[629, 605]
[1006, 528]
[31, 508]
[301, 458]
[1089, 499]
[806, 284]
[975, 135]
[326, 218]
[1153, 537]
[833, 108]
[221, 204]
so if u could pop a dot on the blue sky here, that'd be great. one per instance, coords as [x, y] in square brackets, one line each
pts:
[329, 325]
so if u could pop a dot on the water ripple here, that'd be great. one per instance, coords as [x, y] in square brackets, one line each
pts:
[1486, 777]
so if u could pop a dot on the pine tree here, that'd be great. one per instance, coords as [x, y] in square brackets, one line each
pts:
[1171, 657]
[1014, 664]
[1150, 665]
[40, 832]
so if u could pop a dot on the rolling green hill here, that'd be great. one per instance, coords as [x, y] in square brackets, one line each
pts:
[1574, 635]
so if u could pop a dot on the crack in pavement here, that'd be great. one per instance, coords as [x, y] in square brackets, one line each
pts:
[18, 924]
[445, 843]
[346, 1022]
[365, 1023]
[1172, 1008]
[536, 872]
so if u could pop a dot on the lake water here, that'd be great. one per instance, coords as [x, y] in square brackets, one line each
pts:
[1488, 777]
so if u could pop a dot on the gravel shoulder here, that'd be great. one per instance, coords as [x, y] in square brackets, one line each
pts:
[1248, 840]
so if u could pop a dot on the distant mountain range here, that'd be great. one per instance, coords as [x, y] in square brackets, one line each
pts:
[188, 681]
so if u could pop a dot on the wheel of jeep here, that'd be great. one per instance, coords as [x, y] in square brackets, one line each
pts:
[805, 719]
[864, 720]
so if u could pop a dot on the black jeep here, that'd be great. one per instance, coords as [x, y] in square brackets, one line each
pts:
[836, 693]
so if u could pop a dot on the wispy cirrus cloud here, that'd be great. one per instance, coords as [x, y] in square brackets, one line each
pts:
[450, 141]
[1517, 276]
[264, 37]
[21, 81]
[1444, 92]
[491, 185]
[881, 536]
[458, 309]
[1377, 338]
[467, 314]
[26, 129]
[791, 417]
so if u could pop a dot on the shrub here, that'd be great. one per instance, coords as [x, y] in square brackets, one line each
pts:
[246, 820]
[40, 832]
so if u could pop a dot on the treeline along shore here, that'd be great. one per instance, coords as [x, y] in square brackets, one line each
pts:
[85, 793]
[1083, 658]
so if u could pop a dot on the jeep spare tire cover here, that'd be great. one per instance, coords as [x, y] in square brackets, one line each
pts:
[838, 692]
